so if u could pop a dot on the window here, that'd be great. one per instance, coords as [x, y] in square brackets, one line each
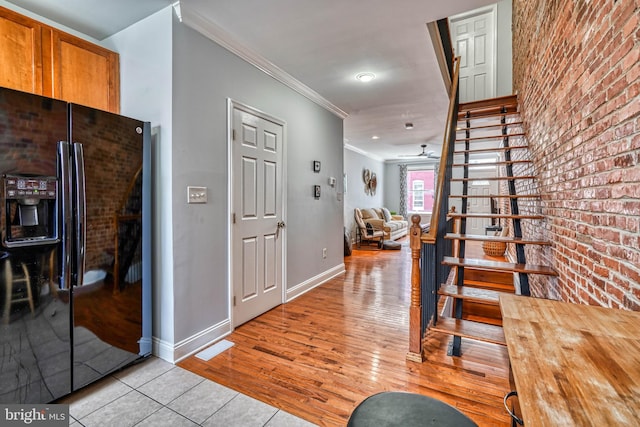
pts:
[420, 189]
[417, 202]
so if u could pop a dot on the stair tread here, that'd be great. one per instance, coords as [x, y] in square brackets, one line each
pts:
[482, 264]
[492, 215]
[504, 239]
[470, 329]
[496, 196]
[495, 102]
[491, 150]
[486, 115]
[502, 163]
[480, 138]
[462, 129]
[470, 293]
[493, 178]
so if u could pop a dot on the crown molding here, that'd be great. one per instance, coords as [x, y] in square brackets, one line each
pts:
[363, 153]
[224, 39]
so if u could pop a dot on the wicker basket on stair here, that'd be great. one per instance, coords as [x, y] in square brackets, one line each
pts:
[496, 248]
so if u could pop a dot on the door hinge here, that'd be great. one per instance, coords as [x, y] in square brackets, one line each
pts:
[233, 217]
[234, 300]
[233, 135]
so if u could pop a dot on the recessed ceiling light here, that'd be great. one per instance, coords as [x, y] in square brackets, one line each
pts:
[365, 77]
[408, 126]
[375, 137]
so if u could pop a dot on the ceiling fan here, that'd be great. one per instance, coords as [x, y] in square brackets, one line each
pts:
[424, 153]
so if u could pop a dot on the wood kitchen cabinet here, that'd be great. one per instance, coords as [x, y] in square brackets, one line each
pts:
[20, 52]
[84, 73]
[40, 59]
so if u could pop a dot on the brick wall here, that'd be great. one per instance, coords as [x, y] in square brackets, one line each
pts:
[29, 130]
[576, 68]
[113, 155]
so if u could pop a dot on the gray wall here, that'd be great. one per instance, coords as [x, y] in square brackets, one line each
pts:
[145, 79]
[504, 54]
[205, 75]
[354, 163]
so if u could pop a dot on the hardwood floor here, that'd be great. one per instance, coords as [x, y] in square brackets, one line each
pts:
[321, 354]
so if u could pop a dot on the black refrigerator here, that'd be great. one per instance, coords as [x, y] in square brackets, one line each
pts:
[75, 289]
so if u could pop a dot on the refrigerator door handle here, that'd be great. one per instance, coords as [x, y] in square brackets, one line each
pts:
[64, 197]
[81, 209]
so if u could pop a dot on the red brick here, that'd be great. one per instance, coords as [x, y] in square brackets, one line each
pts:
[577, 73]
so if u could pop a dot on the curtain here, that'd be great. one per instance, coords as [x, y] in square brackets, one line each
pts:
[403, 190]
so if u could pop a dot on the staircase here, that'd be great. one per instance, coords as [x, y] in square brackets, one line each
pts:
[489, 128]
[128, 248]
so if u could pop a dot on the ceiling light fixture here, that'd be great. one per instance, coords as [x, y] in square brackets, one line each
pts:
[365, 77]
[408, 126]
[375, 137]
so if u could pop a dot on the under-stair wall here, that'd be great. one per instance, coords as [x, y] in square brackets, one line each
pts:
[577, 74]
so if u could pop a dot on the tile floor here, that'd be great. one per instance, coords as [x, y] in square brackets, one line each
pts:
[157, 393]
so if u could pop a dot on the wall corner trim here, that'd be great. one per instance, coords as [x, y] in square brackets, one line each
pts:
[175, 352]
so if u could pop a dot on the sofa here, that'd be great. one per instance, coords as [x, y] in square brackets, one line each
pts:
[394, 226]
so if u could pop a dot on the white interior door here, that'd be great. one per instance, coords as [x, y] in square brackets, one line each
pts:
[478, 205]
[257, 231]
[474, 37]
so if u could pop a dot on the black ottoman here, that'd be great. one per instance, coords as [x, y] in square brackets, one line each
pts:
[406, 409]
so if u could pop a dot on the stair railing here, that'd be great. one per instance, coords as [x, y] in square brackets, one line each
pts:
[430, 247]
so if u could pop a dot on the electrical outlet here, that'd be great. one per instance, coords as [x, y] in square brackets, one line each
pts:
[324, 252]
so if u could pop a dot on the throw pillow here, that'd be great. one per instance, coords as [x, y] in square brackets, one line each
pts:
[387, 214]
[368, 213]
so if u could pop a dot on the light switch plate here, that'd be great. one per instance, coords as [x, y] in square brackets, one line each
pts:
[196, 194]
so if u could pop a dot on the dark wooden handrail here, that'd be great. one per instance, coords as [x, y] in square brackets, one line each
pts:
[425, 249]
[447, 146]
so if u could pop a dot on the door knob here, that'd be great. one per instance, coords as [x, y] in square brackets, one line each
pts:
[281, 224]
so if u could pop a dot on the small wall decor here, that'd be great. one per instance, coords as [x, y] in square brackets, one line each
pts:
[316, 166]
[370, 182]
[366, 176]
[316, 191]
[373, 184]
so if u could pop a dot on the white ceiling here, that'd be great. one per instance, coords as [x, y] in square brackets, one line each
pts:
[323, 45]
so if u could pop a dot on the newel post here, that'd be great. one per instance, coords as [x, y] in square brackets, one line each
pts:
[415, 311]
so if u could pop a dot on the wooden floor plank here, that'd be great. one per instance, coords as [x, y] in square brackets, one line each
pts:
[321, 354]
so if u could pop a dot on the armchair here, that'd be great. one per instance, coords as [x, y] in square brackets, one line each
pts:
[373, 233]
[393, 226]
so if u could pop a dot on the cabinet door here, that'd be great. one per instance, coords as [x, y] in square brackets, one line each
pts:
[20, 52]
[84, 73]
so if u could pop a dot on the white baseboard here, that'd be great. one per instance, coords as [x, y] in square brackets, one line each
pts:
[314, 282]
[174, 353]
[163, 350]
[185, 348]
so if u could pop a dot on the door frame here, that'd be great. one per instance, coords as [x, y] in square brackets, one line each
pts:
[231, 105]
[493, 9]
